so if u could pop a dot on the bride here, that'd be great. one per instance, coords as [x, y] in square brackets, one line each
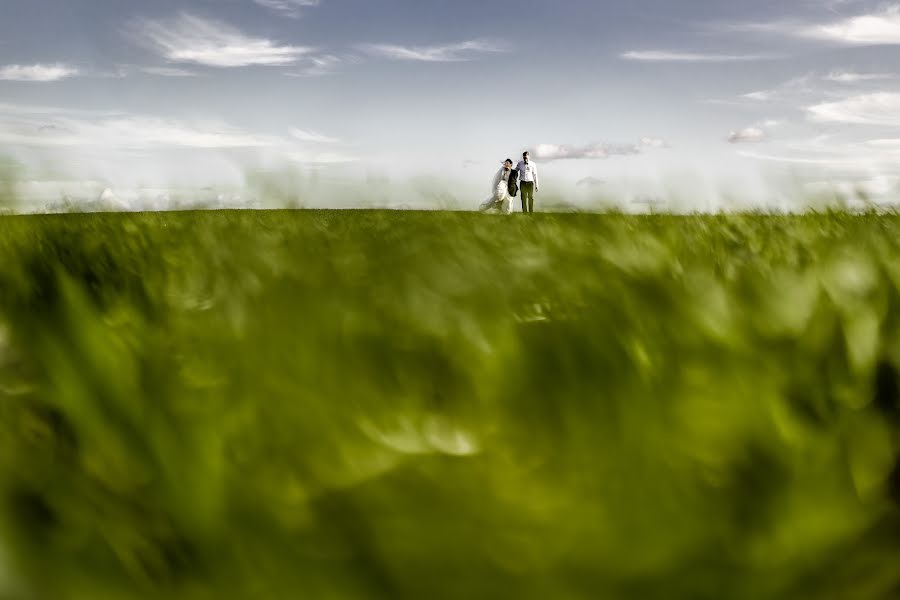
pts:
[500, 200]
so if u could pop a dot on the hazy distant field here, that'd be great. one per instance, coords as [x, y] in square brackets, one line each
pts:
[340, 405]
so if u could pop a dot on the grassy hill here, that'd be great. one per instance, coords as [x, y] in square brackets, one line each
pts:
[369, 404]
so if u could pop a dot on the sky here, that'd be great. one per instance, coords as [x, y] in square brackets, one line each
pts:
[707, 102]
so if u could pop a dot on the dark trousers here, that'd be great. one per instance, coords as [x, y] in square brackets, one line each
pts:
[527, 196]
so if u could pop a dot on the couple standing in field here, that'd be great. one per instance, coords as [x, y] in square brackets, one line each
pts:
[506, 187]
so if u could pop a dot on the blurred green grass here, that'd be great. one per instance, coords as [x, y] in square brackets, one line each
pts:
[365, 404]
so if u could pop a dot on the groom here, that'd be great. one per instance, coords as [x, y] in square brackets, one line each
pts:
[528, 177]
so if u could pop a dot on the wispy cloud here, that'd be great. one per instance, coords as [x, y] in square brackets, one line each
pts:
[313, 137]
[168, 72]
[192, 39]
[747, 135]
[590, 151]
[757, 132]
[37, 73]
[798, 86]
[670, 56]
[875, 28]
[288, 8]
[650, 142]
[325, 64]
[30, 110]
[115, 72]
[131, 132]
[805, 160]
[868, 109]
[135, 147]
[861, 158]
[760, 95]
[868, 29]
[814, 85]
[461, 51]
[551, 152]
[851, 77]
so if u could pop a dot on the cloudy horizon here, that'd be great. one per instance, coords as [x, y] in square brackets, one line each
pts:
[628, 96]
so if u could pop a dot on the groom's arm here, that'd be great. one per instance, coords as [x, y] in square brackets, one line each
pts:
[537, 186]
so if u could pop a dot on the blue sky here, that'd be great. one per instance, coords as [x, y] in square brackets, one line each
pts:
[628, 97]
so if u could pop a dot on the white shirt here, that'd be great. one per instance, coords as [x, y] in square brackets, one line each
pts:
[528, 172]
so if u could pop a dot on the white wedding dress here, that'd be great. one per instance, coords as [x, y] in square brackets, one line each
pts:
[500, 200]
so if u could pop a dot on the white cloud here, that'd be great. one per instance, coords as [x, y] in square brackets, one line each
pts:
[791, 90]
[868, 109]
[326, 64]
[133, 150]
[876, 28]
[851, 77]
[313, 137]
[872, 158]
[125, 132]
[34, 109]
[792, 159]
[461, 51]
[191, 39]
[37, 73]
[761, 95]
[812, 86]
[841, 160]
[168, 72]
[649, 142]
[868, 29]
[748, 134]
[116, 137]
[288, 8]
[669, 56]
[551, 152]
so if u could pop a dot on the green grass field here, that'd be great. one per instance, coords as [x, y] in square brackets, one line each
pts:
[363, 404]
